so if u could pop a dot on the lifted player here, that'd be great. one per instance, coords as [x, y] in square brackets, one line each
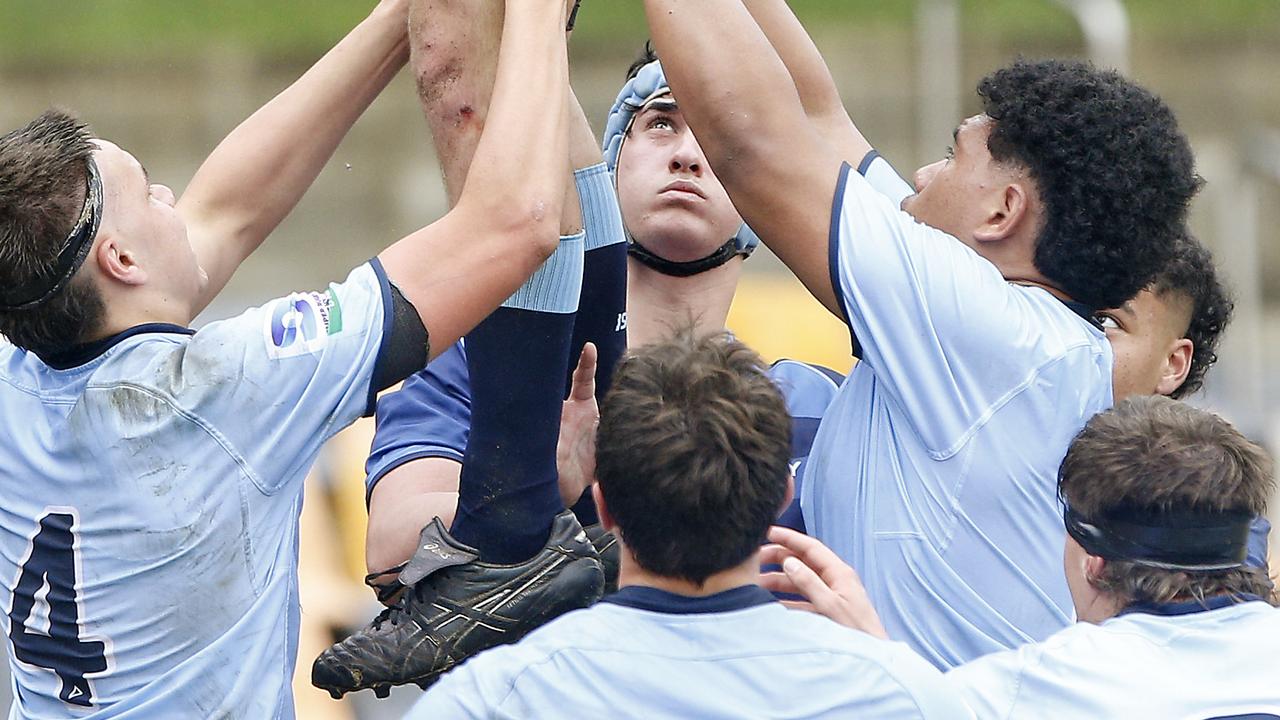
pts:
[141, 456]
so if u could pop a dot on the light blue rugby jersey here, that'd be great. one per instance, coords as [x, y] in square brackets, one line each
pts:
[645, 653]
[1183, 665]
[149, 529]
[934, 470]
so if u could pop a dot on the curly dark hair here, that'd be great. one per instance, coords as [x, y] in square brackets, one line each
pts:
[1114, 171]
[1191, 272]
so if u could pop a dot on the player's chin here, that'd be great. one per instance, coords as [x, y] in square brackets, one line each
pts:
[681, 238]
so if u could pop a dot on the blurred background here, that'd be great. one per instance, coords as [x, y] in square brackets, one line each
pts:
[167, 80]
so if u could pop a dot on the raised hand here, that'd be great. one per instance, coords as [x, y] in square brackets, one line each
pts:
[810, 569]
[576, 451]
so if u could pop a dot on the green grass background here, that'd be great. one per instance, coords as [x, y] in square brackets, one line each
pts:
[60, 32]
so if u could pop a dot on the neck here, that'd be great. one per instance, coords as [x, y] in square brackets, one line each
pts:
[123, 314]
[630, 573]
[659, 304]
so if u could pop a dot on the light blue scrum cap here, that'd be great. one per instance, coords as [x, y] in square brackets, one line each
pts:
[648, 85]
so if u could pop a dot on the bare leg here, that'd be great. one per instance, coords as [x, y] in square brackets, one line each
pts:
[454, 56]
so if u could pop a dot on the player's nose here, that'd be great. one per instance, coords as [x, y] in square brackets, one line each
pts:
[688, 156]
[926, 174]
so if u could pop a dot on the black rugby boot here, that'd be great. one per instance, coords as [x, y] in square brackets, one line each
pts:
[606, 545]
[454, 605]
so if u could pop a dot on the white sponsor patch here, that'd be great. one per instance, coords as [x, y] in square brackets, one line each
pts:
[301, 324]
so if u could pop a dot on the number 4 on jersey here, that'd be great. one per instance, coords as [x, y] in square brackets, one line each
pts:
[52, 564]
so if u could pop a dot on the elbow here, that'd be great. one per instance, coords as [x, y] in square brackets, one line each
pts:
[540, 231]
[529, 227]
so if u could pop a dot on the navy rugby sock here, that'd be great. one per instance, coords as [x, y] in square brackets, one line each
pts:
[602, 314]
[508, 494]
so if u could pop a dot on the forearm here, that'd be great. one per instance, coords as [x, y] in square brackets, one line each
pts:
[256, 176]
[811, 76]
[521, 159]
[732, 86]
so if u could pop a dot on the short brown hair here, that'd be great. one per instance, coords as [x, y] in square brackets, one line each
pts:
[43, 176]
[1154, 454]
[692, 454]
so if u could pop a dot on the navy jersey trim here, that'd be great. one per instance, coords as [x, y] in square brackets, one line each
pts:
[388, 325]
[833, 258]
[652, 599]
[835, 377]
[1085, 312]
[869, 158]
[434, 452]
[1191, 607]
[88, 352]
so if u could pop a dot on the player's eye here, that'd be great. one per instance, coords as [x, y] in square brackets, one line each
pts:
[951, 153]
[1108, 322]
[660, 122]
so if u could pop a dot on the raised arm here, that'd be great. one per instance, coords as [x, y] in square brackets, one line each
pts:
[256, 176]
[506, 222]
[812, 77]
[742, 104]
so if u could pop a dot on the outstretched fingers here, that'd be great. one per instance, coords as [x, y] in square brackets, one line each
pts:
[812, 570]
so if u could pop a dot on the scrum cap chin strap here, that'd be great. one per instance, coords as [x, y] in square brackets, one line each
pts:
[722, 255]
[43, 286]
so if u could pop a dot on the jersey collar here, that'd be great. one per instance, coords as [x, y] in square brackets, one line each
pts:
[654, 600]
[1190, 607]
[82, 354]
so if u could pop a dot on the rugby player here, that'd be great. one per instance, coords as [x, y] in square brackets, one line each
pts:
[141, 456]
[1158, 501]
[692, 467]
[971, 303]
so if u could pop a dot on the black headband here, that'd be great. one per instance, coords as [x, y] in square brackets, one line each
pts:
[722, 255]
[40, 289]
[1193, 542]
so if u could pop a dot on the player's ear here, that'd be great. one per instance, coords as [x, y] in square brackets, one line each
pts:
[1009, 210]
[1093, 567]
[1176, 366]
[606, 520]
[118, 263]
[791, 493]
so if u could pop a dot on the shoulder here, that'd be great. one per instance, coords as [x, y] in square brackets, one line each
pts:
[571, 632]
[808, 388]
[888, 670]
[895, 661]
